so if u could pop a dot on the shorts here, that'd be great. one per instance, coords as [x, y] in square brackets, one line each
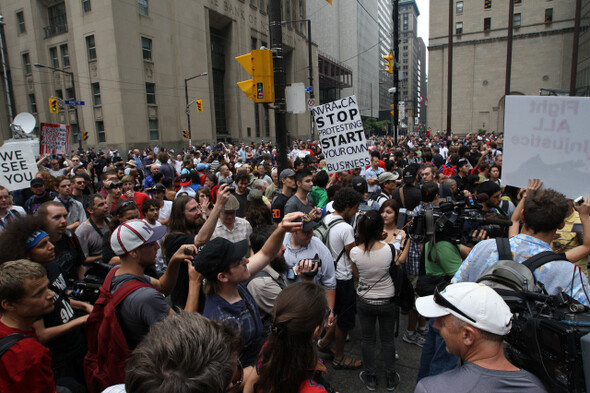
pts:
[345, 305]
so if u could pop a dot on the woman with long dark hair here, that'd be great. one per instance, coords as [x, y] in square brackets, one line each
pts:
[370, 262]
[288, 362]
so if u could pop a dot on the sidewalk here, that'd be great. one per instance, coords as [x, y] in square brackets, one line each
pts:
[347, 381]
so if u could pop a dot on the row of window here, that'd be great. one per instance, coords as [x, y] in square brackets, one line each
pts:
[487, 5]
[517, 19]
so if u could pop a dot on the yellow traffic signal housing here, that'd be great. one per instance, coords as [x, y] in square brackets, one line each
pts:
[85, 135]
[389, 64]
[258, 63]
[393, 110]
[185, 133]
[53, 108]
[199, 105]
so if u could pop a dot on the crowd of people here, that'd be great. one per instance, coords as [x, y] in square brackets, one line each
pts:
[243, 273]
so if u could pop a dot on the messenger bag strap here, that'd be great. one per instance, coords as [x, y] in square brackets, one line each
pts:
[504, 251]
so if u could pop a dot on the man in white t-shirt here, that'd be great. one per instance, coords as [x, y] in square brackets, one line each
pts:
[340, 242]
[158, 192]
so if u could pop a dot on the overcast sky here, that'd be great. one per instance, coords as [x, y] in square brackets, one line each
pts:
[423, 7]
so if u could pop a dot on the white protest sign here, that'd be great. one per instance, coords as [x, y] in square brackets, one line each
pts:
[17, 164]
[548, 138]
[341, 134]
[54, 138]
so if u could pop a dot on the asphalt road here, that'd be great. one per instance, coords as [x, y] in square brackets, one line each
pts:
[347, 381]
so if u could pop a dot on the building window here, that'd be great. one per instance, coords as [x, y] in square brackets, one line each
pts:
[96, 94]
[261, 6]
[517, 1]
[405, 47]
[91, 47]
[58, 22]
[53, 57]
[27, 63]
[100, 134]
[459, 28]
[70, 93]
[86, 6]
[548, 15]
[143, 7]
[146, 48]
[150, 92]
[59, 94]
[65, 55]
[487, 4]
[154, 133]
[459, 7]
[20, 22]
[33, 103]
[487, 24]
[516, 21]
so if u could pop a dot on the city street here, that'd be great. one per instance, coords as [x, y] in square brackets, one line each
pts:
[347, 381]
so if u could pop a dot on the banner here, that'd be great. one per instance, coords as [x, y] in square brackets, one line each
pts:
[548, 138]
[54, 138]
[17, 164]
[341, 134]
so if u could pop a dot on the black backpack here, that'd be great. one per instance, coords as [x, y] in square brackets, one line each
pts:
[7, 342]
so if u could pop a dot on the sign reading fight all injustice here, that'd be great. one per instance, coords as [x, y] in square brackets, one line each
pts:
[341, 134]
[547, 138]
[17, 164]
[54, 138]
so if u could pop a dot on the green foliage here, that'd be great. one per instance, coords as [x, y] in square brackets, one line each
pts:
[373, 126]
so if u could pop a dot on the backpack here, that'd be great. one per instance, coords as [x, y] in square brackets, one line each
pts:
[508, 276]
[322, 232]
[104, 364]
[448, 170]
[7, 342]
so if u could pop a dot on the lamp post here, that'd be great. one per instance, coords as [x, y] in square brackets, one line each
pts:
[187, 110]
[71, 74]
[311, 93]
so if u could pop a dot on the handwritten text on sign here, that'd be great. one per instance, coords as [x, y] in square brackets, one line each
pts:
[54, 138]
[17, 165]
[341, 133]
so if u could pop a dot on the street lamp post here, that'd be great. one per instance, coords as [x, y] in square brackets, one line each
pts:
[71, 74]
[188, 112]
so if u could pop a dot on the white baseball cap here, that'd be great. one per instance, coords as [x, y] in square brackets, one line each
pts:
[134, 233]
[476, 304]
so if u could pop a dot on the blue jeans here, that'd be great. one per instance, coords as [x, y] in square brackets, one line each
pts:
[368, 315]
[435, 359]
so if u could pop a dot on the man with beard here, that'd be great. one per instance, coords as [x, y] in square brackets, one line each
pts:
[269, 282]
[40, 196]
[186, 226]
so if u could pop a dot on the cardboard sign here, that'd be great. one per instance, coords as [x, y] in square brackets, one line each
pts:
[17, 164]
[341, 134]
[547, 138]
[54, 138]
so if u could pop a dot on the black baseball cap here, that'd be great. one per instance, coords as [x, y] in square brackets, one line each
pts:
[216, 256]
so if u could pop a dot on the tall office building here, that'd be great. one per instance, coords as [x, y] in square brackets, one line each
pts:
[541, 58]
[130, 59]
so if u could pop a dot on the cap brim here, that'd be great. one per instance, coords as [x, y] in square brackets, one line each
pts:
[159, 233]
[428, 308]
[238, 251]
[309, 226]
[186, 183]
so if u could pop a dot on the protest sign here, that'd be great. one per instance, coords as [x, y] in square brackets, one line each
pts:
[341, 134]
[54, 138]
[547, 138]
[17, 164]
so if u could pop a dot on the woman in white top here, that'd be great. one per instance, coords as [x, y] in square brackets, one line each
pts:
[370, 262]
[394, 235]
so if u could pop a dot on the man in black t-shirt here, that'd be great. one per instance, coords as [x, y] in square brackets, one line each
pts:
[411, 194]
[40, 196]
[287, 178]
[241, 193]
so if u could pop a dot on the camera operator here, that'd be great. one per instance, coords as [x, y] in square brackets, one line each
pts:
[472, 319]
[544, 212]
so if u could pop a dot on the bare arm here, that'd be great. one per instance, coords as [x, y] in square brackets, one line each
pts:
[194, 285]
[405, 250]
[78, 305]
[208, 227]
[166, 283]
[582, 250]
[534, 185]
[49, 334]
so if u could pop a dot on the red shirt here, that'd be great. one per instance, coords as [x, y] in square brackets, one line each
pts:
[26, 366]
[139, 198]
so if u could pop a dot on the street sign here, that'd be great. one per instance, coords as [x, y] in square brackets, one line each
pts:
[74, 103]
[308, 89]
[311, 102]
[60, 104]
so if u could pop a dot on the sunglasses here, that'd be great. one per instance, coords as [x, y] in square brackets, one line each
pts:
[237, 379]
[441, 301]
[115, 185]
[128, 203]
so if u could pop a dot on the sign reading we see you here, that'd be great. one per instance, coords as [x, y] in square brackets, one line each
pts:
[341, 134]
[17, 165]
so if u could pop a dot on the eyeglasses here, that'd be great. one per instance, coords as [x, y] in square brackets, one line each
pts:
[237, 379]
[441, 301]
[115, 185]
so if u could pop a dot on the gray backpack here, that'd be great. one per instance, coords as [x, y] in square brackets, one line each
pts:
[507, 275]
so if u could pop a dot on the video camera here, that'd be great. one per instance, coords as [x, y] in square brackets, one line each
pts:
[550, 338]
[450, 221]
[88, 289]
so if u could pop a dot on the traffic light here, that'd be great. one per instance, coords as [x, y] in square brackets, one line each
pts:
[85, 135]
[53, 105]
[392, 110]
[389, 63]
[258, 63]
[199, 105]
[185, 133]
